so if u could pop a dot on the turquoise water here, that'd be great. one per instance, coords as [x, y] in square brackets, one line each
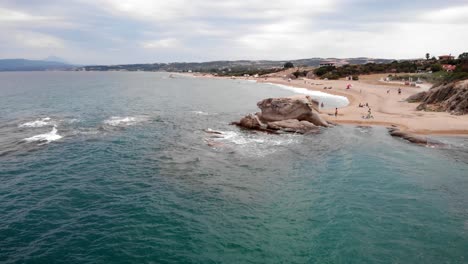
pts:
[128, 177]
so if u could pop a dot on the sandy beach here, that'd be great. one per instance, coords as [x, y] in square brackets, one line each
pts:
[387, 108]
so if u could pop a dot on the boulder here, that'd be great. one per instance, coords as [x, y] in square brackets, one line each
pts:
[416, 139]
[294, 126]
[416, 97]
[278, 109]
[290, 114]
[252, 122]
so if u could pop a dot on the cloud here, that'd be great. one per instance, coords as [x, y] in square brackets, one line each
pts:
[168, 43]
[451, 15]
[37, 40]
[8, 15]
[91, 31]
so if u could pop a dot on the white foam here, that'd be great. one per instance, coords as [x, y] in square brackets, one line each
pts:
[329, 99]
[47, 137]
[260, 144]
[46, 121]
[123, 121]
[200, 113]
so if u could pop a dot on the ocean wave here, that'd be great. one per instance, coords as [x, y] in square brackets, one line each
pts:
[46, 138]
[201, 113]
[249, 144]
[46, 121]
[123, 121]
[331, 100]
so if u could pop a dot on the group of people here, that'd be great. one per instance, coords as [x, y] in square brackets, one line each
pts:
[362, 105]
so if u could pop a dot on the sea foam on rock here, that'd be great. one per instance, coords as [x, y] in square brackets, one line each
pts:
[288, 114]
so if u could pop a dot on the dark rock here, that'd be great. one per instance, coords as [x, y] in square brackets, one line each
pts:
[416, 139]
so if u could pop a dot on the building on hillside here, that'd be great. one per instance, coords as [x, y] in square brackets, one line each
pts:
[448, 67]
[446, 57]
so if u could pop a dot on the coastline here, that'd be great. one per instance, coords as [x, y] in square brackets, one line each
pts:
[388, 109]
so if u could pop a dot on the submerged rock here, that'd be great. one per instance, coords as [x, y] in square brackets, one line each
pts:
[416, 139]
[295, 115]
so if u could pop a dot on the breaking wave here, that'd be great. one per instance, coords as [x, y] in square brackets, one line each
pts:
[46, 121]
[46, 138]
[123, 121]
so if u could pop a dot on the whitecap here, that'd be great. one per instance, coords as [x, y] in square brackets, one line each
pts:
[123, 121]
[47, 137]
[249, 144]
[200, 113]
[46, 121]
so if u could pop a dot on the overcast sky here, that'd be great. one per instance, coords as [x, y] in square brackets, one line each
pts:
[142, 31]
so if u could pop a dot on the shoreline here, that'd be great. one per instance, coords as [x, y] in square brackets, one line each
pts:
[388, 109]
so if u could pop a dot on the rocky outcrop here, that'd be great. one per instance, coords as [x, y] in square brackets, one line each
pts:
[415, 98]
[296, 115]
[416, 139]
[302, 109]
[294, 126]
[451, 97]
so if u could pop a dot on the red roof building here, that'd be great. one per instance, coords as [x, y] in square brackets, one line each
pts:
[446, 57]
[448, 67]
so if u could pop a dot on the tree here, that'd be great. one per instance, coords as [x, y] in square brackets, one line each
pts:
[288, 65]
[463, 56]
[428, 56]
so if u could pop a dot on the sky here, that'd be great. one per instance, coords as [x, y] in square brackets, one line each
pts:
[146, 31]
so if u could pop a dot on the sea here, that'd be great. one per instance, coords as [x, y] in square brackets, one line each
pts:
[140, 167]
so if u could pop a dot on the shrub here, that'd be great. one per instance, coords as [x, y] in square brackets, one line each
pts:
[436, 67]
[288, 65]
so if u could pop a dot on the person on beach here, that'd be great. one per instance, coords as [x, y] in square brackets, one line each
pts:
[388, 91]
[322, 105]
[399, 90]
[336, 112]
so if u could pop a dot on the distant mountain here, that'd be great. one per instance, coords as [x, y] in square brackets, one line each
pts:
[32, 65]
[56, 59]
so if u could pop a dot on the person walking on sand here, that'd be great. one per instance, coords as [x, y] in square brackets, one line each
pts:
[322, 105]
[336, 111]
[399, 90]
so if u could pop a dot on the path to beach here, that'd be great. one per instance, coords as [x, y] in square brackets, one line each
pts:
[387, 109]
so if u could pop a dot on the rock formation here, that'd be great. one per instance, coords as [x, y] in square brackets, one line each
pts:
[416, 139]
[451, 97]
[290, 114]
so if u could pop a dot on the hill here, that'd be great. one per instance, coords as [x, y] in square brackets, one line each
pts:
[32, 65]
[227, 66]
